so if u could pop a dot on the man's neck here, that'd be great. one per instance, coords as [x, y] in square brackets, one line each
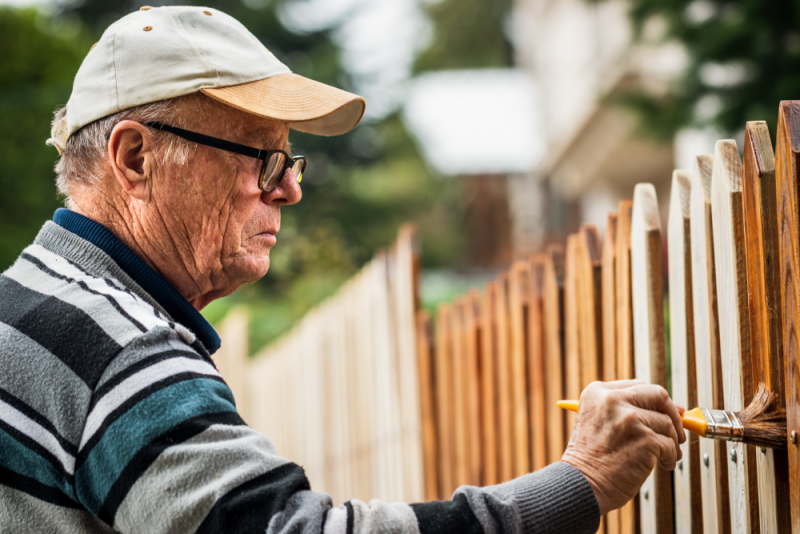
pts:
[147, 236]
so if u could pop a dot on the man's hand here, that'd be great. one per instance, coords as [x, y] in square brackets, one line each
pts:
[623, 428]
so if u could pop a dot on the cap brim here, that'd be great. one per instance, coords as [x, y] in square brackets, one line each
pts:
[308, 106]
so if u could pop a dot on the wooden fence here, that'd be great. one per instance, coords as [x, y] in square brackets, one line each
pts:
[377, 399]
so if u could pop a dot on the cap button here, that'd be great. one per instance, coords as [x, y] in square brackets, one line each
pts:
[147, 28]
[92, 48]
[207, 13]
[145, 8]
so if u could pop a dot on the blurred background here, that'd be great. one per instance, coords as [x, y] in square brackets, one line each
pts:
[494, 125]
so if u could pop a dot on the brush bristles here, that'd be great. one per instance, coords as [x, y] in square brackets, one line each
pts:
[764, 421]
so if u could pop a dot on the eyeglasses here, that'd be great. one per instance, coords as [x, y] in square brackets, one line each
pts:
[274, 162]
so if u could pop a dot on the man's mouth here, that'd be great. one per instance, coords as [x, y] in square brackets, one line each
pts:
[268, 236]
[269, 231]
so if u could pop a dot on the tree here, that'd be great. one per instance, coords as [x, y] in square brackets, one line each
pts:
[467, 34]
[39, 62]
[743, 60]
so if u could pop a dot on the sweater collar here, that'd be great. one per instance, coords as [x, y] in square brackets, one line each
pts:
[167, 296]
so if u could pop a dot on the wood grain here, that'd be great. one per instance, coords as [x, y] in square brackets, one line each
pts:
[518, 310]
[427, 405]
[787, 149]
[714, 469]
[648, 337]
[537, 412]
[489, 398]
[471, 310]
[688, 500]
[590, 310]
[734, 325]
[608, 277]
[461, 423]
[445, 400]
[590, 325]
[629, 514]
[609, 298]
[572, 362]
[506, 437]
[764, 300]
[405, 265]
[624, 298]
[554, 367]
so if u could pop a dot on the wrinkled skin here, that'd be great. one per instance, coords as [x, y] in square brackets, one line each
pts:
[204, 226]
[622, 431]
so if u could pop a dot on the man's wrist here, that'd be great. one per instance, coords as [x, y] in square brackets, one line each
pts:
[555, 499]
[600, 497]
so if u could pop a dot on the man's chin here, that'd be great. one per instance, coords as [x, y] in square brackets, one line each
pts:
[249, 271]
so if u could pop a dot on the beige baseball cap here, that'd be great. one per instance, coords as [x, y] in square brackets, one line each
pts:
[165, 52]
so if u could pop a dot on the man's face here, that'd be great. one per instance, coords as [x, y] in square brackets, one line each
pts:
[222, 224]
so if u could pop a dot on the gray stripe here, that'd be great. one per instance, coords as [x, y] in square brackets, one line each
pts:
[379, 516]
[177, 491]
[91, 258]
[118, 327]
[43, 382]
[21, 513]
[156, 341]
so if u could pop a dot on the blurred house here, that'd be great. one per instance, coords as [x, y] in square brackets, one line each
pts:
[577, 153]
[582, 55]
[482, 127]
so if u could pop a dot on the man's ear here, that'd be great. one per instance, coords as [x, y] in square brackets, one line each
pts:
[131, 157]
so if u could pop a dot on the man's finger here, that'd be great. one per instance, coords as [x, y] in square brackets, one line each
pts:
[668, 452]
[622, 384]
[647, 396]
[660, 424]
[657, 399]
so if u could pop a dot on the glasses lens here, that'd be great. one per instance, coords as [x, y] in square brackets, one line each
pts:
[298, 168]
[272, 172]
[261, 175]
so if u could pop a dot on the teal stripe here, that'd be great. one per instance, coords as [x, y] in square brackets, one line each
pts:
[18, 458]
[140, 425]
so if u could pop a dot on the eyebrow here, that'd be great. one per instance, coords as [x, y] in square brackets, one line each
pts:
[266, 141]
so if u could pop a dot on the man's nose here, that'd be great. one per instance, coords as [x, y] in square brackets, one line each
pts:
[288, 191]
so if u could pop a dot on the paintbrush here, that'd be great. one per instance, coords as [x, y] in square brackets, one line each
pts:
[761, 424]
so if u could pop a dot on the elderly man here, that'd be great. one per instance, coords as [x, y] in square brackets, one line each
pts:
[175, 165]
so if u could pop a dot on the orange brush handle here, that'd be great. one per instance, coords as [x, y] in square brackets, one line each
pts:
[693, 420]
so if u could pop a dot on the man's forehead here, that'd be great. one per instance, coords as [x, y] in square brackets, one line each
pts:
[250, 129]
[270, 133]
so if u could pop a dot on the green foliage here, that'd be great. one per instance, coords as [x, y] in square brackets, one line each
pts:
[760, 39]
[35, 76]
[467, 34]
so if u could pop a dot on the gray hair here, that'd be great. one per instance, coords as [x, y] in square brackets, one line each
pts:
[83, 160]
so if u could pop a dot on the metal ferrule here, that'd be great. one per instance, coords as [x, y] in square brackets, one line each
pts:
[723, 424]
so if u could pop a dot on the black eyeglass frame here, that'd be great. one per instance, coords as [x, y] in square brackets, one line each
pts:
[236, 148]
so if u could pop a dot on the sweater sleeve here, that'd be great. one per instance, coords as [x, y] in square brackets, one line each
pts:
[163, 450]
[554, 500]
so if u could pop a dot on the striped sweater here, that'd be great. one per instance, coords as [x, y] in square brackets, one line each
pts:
[114, 418]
